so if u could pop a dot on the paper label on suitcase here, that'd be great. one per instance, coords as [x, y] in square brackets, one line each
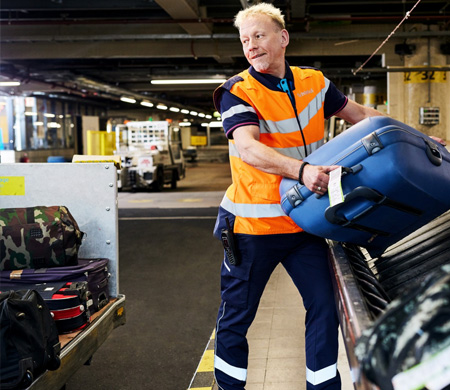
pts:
[335, 187]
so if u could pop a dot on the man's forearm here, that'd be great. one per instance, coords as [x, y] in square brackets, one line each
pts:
[268, 160]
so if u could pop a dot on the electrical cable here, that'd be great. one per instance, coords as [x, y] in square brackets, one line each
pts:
[407, 15]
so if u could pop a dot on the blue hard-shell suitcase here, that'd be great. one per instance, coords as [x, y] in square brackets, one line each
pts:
[395, 179]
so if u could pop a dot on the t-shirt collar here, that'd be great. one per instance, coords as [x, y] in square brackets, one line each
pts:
[270, 81]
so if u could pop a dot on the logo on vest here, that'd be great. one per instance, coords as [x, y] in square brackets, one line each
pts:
[307, 92]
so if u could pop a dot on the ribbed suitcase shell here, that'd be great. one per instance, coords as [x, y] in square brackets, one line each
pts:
[93, 271]
[401, 181]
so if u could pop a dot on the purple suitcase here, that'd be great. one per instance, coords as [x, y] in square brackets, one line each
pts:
[93, 271]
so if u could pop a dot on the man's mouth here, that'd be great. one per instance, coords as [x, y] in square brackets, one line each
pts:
[257, 56]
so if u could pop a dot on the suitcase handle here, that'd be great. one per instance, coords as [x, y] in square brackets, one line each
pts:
[433, 153]
[295, 197]
[372, 195]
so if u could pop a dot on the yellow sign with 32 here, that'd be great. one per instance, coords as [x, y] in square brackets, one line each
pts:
[425, 76]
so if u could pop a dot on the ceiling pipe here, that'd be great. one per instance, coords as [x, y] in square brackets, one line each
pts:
[181, 37]
[219, 20]
[406, 69]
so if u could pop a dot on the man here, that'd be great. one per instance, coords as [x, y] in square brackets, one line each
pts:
[273, 115]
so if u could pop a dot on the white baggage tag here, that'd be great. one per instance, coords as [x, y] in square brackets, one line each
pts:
[335, 187]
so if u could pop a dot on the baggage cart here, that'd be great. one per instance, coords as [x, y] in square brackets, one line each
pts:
[89, 190]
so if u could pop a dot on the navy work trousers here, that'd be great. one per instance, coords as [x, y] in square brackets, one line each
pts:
[305, 259]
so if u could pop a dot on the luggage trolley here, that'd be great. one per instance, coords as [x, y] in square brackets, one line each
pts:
[90, 193]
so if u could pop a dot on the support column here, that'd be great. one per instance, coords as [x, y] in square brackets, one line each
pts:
[409, 91]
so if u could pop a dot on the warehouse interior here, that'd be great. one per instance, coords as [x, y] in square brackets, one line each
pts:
[95, 54]
[69, 67]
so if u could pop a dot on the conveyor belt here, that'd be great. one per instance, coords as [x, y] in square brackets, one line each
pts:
[364, 286]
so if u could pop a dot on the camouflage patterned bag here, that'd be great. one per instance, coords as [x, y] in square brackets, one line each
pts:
[37, 237]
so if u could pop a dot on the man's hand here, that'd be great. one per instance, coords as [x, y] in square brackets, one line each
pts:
[440, 140]
[316, 177]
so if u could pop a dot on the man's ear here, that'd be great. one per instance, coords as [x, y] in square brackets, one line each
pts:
[284, 38]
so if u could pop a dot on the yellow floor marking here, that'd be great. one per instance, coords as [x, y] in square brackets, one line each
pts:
[191, 200]
[140, 200]
[200, 388]
[207, 363]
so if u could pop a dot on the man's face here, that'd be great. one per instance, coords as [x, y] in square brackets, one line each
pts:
[264, 44]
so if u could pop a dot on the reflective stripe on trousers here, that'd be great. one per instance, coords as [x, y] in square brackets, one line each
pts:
[305, 259]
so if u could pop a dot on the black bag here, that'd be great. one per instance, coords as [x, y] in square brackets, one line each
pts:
[413, 329]
[29, 342]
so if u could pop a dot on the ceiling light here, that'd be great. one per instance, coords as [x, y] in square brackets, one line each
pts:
[215, 124]
[194, 113]
[29, 113]
[161, 107]
[128, 100]
[174, 109]
[184, 111]
[208, 116]
[184, 124]
[188, 81]
[9, 83]
[146, 103]
[201, 115]
[49, 115]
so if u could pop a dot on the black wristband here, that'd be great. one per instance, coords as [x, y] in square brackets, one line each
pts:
[300, 172]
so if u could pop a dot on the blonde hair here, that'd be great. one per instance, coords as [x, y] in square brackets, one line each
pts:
[260, 9]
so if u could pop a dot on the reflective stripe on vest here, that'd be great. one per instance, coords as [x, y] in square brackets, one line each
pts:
[254, 195]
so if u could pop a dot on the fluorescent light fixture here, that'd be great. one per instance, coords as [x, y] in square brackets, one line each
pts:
[184, 124]
[215, 124]
[49, 115]
[174, 109]
[194, 113]
[38, 123]
[9, 83]
[208, 116]
[188, 81]
[53, 125]
[201, 115]
[146, 103]
[184, 111]
[29, 113]
[161, 107]
[128, 100]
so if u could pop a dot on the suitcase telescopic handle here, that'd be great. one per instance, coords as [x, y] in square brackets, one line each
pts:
[376, 198]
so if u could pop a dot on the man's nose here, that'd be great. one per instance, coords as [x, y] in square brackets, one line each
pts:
[252, 44]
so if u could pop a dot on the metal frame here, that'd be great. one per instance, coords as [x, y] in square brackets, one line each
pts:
[354, 316]
[88, 190]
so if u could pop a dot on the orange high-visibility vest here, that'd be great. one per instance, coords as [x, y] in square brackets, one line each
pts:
[254, 197]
